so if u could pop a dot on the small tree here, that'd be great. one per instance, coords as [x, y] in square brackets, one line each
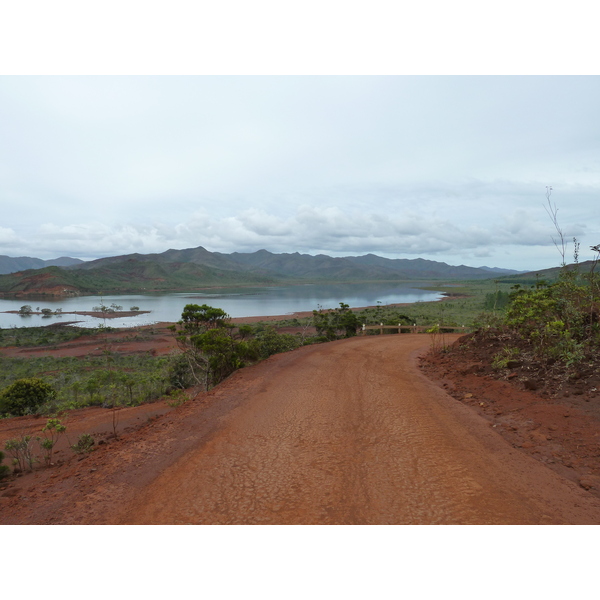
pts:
[209, 346]
[21, 451]
[52, 432]
[437, 338]
[25, 395]
[221, 354]
[333, 324]
[25, 310]
[196, 318]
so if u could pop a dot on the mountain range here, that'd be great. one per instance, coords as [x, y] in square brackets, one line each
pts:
[196, 268]
[12, 265]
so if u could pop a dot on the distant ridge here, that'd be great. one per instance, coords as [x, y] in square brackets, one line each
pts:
[196, 268]
[14, 265]
[549, 275]
[499, 271]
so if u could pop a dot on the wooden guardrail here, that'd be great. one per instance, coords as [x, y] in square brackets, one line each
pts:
[410, 328]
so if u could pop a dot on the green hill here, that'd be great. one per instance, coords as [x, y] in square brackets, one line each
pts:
[126, 277]
[196, 268]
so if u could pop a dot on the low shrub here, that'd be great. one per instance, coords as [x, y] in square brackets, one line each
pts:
[177, 397]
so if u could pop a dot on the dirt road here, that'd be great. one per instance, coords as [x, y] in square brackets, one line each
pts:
[352, 433]
[349, 432]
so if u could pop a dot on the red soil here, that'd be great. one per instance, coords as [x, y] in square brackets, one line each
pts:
[557, 422]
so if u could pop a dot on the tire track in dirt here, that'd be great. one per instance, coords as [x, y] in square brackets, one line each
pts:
[352, 433]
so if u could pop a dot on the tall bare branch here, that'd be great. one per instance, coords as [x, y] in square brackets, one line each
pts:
[561, 244]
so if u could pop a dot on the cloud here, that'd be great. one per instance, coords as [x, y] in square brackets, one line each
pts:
[94, 240]
[8, 238]
[449, 168]
[310, 229]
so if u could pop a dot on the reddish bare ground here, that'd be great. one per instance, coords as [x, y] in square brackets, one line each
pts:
[350, 432]
[549, 413]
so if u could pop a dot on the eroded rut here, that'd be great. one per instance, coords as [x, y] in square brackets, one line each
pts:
[349, 432]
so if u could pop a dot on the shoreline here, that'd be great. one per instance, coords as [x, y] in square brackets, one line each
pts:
[84, 313]
[237, 320]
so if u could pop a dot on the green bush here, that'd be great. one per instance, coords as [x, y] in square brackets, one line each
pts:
[334, 324]
[221, 353]
[504, 358]
[25, 395]
[4, 470]
[85, 443]
[559, 320]
[180, 374]
[268, 342]
[497, 300]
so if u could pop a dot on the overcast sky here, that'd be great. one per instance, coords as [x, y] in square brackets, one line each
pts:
[449, 168]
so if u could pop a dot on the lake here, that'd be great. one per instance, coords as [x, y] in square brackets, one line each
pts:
[236, 301]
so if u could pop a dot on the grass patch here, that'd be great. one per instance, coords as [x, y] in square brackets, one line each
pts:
[110, 380]
[49, 335]
[464, 303]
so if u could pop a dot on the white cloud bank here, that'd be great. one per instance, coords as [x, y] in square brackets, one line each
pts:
[448, 168]
[518, 238]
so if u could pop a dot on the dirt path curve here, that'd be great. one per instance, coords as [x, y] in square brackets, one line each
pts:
[352, 433]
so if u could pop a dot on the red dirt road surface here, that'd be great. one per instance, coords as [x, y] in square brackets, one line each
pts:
[349, 432]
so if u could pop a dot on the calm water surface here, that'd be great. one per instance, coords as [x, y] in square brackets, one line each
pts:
[237, 302]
